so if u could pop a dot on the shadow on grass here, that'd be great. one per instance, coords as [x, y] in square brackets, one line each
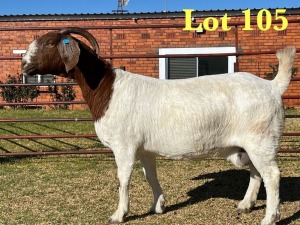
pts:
[290, 219]
[13, 159]
[232, 184]
[39, 142]
[13, 142]
[35, 143]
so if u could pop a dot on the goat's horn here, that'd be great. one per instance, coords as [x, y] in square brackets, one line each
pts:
[83, 33]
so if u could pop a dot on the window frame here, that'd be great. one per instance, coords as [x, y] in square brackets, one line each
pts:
[163, 62]
[39, 79]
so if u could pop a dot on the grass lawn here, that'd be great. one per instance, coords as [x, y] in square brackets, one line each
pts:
[47, 128]
[84, 189]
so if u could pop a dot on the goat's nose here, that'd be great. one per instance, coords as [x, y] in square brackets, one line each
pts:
[23, 63]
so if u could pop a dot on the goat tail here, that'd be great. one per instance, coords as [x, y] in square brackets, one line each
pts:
[286, 59]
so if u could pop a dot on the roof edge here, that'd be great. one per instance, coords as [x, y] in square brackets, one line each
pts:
[141, 15]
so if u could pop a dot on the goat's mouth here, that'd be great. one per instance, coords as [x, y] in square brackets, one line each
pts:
[29, 70]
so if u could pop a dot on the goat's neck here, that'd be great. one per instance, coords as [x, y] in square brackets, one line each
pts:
[95, 78]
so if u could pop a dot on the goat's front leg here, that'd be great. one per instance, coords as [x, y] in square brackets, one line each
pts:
[125, 164]
[149, 167]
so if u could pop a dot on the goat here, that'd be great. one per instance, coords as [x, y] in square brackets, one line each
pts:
[238, 116]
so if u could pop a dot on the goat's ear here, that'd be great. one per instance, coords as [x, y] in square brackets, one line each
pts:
[69, 51]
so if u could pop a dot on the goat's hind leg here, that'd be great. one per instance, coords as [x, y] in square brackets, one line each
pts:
[250, 197]
[271, 178]
[149, 166]
[263, 159]
[240, 158]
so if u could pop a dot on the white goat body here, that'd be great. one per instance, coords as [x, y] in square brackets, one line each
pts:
[201, 117]
[188, 118]
[238, 116]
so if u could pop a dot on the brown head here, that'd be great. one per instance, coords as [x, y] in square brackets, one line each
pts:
[57, 52]
[61, 54]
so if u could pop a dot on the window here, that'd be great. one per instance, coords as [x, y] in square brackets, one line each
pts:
[39, 79]
[179, 68]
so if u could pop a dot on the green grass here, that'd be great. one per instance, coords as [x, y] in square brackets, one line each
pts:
[84, 189]
[46, 128]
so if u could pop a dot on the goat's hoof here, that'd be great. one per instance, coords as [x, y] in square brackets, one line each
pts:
[159, 207]
[272, 220]
[118, 217]
[113, 220]
[241, 211]
[245, 207]
[157, 210]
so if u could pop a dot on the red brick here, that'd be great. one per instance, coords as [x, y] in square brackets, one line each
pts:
[159, 38]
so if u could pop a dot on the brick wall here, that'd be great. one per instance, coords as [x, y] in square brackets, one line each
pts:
[148, 41]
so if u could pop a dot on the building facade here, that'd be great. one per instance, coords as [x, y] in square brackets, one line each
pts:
[138, 42]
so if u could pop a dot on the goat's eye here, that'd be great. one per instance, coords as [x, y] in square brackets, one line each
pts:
[49, 45]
